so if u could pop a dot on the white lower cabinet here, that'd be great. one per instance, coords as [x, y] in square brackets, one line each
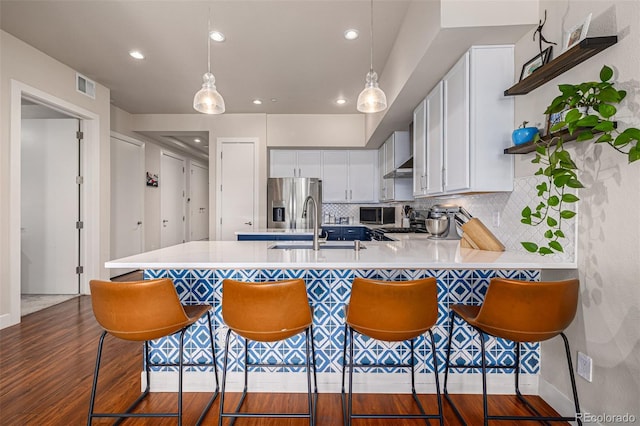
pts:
[349, 176]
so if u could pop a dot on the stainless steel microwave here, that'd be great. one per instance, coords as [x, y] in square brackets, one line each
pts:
[377, 215]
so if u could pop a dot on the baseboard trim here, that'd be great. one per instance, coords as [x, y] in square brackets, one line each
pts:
[557, 400]
[163, 381]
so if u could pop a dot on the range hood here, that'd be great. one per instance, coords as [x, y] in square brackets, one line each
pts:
[405, 171]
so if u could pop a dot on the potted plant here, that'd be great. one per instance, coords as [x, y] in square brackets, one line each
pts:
[590, 108]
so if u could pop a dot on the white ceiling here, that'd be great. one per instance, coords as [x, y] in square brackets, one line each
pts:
[291, 51]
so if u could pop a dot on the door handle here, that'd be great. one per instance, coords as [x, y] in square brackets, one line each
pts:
[164, 222]
[139, 223]
[248, 223]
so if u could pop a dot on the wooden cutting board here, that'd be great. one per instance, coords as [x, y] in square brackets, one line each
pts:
[478, 236]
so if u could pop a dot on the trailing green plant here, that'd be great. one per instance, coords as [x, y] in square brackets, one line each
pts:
[588, 109]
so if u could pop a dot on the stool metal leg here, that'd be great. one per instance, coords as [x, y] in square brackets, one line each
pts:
[347, 409]
[215, 370]
[452, 318]
[309, 364]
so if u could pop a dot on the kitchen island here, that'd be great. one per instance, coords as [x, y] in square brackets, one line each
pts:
[198, 269]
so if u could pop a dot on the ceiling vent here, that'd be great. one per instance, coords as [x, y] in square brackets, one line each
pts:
[85, 86]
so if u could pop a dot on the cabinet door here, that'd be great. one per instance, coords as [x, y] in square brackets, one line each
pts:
[335, 168]
[419, 151]
[382, 191]
[310, 164]
[434, 141]
[283, 163]
[362, 176]
[456, 127]
[333, 233]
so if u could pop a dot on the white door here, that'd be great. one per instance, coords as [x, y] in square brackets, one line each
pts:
[434, 140]
[237, 189]
[456, 125]
[127, 199]
[199, 203]
[362, 176]
[172, 183]
[335, 176]
[49, 206]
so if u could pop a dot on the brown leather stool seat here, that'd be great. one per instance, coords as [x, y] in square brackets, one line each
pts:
[521, 311]
[144, 311]
[268, 312]
[392, 311]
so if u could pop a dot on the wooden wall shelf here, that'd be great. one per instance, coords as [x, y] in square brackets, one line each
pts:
[528, 147]
[567, 60]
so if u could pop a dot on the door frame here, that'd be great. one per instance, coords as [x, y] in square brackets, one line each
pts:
[218, 198]
[90, 194]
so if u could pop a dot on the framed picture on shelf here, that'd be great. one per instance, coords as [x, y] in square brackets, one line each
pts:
[536, 62]
[576, 34]
[552, 120]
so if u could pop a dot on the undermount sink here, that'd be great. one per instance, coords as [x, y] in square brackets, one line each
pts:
[308, 245]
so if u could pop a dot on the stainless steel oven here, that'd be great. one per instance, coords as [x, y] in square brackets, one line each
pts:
[377, 215]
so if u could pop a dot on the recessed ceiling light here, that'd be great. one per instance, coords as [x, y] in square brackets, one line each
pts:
[351, 34]
[197, 140]
[274, 100]
[341, 101]
[257, 102]
[136, 54]
[217, 36]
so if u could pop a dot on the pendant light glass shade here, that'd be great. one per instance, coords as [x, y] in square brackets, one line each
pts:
[372, 98]
[208, 100]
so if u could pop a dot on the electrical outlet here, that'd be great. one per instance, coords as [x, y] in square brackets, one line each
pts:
[585, 367]
[496, 219]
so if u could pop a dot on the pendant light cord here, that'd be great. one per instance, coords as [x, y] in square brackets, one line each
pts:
[371, 34]
[209, 41]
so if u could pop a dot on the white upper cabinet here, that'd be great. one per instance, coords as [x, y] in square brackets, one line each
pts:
[419, 150]
[362, 176]
[397, 150]
[295, 163]
[456, 127]
[434, 141]
[467, 125]
[349, 176]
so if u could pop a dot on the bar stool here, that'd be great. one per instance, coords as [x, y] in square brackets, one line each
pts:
[268, 312]
[393, 312]
[521, 311]
[143, 311]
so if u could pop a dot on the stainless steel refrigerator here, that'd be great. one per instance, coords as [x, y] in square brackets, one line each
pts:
[285, 200]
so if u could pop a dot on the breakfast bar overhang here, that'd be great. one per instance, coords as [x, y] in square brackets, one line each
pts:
[198, 269]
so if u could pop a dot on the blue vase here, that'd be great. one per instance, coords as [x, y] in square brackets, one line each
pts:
[523, 135]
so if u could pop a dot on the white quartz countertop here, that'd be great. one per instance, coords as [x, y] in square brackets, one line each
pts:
[419, 253]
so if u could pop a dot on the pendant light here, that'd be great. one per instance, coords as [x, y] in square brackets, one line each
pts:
[372, 98]
[208, 100]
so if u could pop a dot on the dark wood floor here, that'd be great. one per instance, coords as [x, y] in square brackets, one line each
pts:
[46, 368]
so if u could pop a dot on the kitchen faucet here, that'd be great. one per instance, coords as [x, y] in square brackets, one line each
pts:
[316, 239]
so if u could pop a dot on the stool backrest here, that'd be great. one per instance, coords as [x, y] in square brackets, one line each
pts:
[267, 311]
[138, 310]
[393, 310]
[526, 311]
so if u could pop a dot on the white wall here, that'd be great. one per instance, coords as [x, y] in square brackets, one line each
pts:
[315, 130]
[606, 327]
[23, 63]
